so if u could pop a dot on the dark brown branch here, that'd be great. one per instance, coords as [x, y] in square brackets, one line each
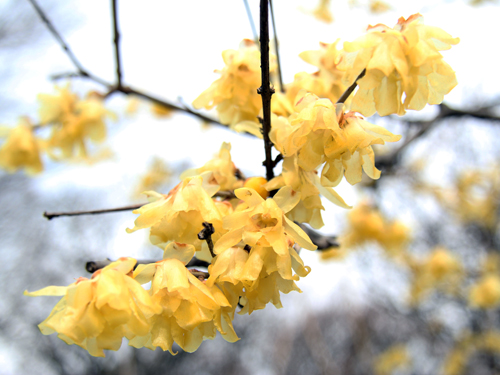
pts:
[323, 242]
[265, 90]
[276, 48]
[93, 266]
[277, 160]
[388, 162]
[81, 71]
[206, 235]
[351, 88]
[116, 42]
[252, 24]
[51, 215]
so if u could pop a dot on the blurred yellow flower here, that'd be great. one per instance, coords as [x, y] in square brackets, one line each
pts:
[322, 12]
[96, 314]
[73, 121]
[157, 175]
[440, 270]
[485, 293]
[21, 150]
[394, 357]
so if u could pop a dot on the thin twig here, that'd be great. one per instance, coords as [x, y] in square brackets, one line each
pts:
[95, 265]
[51, 215]
[206, 235]
[252, 24]
[116, 41]
[265, 90]
[81, 71]
[276, 48]
[351, 88]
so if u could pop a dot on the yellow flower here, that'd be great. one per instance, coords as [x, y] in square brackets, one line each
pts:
[264, 223]
[157, 175]
[223, 168]
[322, 12]
[349, 150]
[394, 357]
[328, 80]
[96, 314]
[21, 150]
[486, 292]
[308, 187]
[73, 122]
[190, 310]
[441, 269]
[161, 111]
[257, 184]
[178, 216]
[377, 6]
[403, 60]
[234, 94]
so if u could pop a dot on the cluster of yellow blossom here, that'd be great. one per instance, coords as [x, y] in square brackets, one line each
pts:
[366, 224]
[404, 60]
[21, 149]
[456, 361]
[439, 270]
[485, 292]
[473, 198]
[72, 122]
[318, 134]
[327, 81]
[394, 357]
[157, 175]
[255, 259]
[234, 94]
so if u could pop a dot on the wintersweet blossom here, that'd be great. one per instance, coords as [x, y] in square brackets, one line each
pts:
[21, 150]
[73, 122]
[327, 81]
[440, 270]
[223, 169]
[190, 310]
[178, 215]
[256, 258]
[234, 94]
[402, 60]
[96, 314]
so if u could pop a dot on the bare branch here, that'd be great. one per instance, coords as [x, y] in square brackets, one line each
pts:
[206, 235]
[116, 41]
[252, 24]
[95, 265]
[351, 88]
[51, 215]
[265, 90]
[276, 48]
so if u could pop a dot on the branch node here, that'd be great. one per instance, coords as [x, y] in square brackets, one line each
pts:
[206, 235]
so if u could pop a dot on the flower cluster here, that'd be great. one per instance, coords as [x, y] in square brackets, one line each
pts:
[319, 134]
[402, 60]
[367, 224]
[234, 94]
[72, 122]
